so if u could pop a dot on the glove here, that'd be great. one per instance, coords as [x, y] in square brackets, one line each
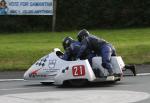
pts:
[78, 59]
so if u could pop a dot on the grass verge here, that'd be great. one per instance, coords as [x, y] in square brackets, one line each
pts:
[19, 51]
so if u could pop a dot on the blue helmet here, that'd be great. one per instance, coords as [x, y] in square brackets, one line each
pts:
[66, 42]
[82, 34]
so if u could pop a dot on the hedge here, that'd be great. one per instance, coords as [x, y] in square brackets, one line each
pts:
[77, 14]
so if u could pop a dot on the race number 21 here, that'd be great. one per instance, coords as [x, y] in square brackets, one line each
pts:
[78, 70]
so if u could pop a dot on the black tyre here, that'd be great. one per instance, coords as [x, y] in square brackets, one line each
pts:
[78, 82]
[46, 83]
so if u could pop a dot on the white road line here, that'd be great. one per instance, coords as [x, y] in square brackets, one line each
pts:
[23, 88]
[78, 96]
[13, 89]
[143, 74]
[7, 80]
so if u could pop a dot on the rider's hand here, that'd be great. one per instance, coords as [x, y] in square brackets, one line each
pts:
[78, 59]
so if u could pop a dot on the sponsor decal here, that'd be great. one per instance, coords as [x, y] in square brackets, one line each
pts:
[48, 70]
[34, 74]
[52, 75]
[78, 70]
[51, 64]
[35, 71]
[37, 76]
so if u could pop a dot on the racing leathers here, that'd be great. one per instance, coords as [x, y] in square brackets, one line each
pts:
[72, 51]
[101, 48]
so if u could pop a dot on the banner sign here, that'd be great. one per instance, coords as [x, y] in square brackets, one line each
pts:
[26, 7]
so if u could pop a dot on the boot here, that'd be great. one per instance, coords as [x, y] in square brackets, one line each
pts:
[111, 73]
[98, 73]
[132, 68]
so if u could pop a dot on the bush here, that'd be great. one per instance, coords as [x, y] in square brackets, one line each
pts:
[77, 14]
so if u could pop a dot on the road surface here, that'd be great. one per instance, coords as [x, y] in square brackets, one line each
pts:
[131, 89]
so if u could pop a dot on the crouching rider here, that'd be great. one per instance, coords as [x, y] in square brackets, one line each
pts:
[99, 46]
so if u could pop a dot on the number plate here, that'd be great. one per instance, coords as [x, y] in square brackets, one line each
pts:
[78, 70]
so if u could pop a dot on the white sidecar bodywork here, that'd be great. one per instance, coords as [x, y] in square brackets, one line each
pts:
[51, 68]
[46, 68]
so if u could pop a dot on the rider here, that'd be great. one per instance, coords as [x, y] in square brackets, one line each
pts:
[99, 46]
[72, 48]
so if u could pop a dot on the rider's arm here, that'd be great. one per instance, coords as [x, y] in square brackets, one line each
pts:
[83, 48]
[67, 54]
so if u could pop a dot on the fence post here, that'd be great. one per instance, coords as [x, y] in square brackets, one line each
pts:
[54, 15]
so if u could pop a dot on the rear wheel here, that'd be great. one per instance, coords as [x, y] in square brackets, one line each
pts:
[78, 82]
[46, 83]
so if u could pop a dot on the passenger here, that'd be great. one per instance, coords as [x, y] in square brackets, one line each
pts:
[99, 46]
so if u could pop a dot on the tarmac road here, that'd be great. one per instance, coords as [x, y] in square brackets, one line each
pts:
[130, 89]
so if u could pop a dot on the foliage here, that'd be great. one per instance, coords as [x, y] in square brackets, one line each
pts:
[18, 51]
[77, 14]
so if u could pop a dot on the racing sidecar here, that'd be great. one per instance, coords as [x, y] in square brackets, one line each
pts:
[52, 69]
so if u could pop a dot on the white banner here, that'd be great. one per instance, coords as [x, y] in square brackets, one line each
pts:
[26, 7]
